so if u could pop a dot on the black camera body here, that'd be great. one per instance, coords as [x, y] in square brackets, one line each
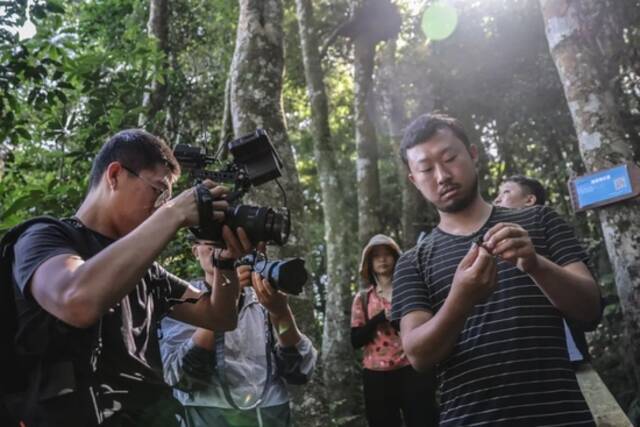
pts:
[254, 162]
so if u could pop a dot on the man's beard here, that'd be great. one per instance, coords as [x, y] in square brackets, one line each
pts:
[464, 201]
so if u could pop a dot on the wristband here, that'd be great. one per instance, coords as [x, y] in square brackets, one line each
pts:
[224, 264]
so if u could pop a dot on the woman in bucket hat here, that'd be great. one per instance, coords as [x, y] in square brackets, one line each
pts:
[393, 390]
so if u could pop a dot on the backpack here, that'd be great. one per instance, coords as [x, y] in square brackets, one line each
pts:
[17, 398]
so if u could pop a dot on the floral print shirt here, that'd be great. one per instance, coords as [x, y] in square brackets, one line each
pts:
[385, 352]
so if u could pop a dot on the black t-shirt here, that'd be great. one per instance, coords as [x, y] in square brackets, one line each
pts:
[129, 369]
[510, 364]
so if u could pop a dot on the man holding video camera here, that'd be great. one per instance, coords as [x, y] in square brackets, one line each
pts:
[238, 378]
[89, 295]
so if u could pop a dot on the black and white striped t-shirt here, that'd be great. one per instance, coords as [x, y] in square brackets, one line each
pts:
[510, 364]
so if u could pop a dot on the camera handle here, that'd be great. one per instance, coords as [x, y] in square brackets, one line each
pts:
[205, 201]
[205, 205]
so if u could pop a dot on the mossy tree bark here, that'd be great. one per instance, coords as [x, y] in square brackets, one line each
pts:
[158, 29]
[574, 33]
[340, 377]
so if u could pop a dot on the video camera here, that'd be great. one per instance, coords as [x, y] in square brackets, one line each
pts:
[255, 162]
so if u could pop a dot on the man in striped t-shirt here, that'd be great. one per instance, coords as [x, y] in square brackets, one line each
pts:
[482, 297]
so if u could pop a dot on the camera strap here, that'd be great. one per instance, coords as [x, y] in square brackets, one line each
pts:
[220, 365]
[204, 199]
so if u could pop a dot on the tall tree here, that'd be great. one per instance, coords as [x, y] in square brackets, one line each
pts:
[372, 21]
[366, 142]
[573, 29]
[339, 377]
[255, 95]
[158, 30]
[393, 106]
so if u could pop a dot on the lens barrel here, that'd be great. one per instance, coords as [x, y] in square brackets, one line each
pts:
[262, 224]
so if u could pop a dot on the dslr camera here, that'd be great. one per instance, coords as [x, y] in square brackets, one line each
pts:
[287, 275]
[254, 162]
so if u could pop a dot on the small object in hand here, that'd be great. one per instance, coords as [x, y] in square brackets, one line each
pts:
[480, 242]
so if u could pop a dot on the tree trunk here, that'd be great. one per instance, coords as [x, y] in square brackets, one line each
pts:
[157, 28]
[256, 101]
[366, 144]
[339, 374]
[413, 206]
[573, 28]
[226, 129]
[3, 155]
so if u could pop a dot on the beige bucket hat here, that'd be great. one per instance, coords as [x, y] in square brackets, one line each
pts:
[377, 240]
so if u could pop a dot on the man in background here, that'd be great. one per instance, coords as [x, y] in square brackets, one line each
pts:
[517, 192]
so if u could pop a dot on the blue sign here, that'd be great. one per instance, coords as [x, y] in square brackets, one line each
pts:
[603, 186]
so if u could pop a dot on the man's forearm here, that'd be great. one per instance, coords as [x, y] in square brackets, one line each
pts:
[224, 300]
[430, 343]
[571, 289]
[286, 328]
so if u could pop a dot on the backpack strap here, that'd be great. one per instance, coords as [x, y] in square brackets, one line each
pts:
[424, 252]
[220, 364]
[11, 236]
[363, 294]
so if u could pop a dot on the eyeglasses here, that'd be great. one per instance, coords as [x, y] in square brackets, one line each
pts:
[163, 194]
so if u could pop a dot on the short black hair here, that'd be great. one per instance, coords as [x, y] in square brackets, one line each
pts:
[425, 127]
[136, 149]
[531, 186]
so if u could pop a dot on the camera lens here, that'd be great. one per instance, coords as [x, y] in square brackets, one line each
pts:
[277, 226]
[261, 224]
[288, 275]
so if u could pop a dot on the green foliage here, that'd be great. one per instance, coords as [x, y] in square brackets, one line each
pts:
[66, 89]
[31, 76]
[202, 37]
